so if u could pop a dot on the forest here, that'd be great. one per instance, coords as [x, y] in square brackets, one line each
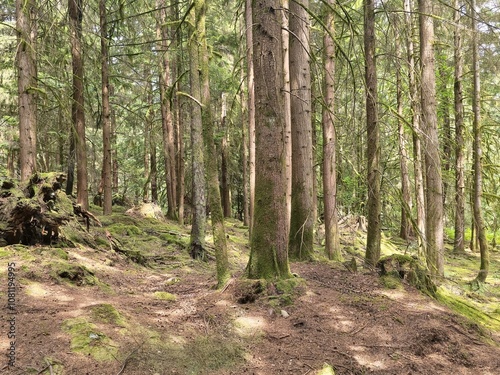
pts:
[198, 187]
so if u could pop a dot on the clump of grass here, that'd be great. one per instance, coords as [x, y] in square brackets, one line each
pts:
[106, 313]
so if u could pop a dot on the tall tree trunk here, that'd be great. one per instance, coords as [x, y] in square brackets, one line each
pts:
[176, 43]
[285, 36]
[434, 183]
[166, 114]
[154, 170]
[197, 241]
[251, 112]
[269, 242]
[477, 151]
[27, 84]
[372, 139]
[224, 169]
[106, 113]
[214, 197]
[405, 231]
[302, 203]
[332, 237]
[75, 10]
[244, 148]
[459, 242]
[416, 136]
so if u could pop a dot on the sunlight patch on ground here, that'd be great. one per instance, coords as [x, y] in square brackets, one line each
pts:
[368, 361]
[37, 290]
[91, 263]
[343, 326]
[247, 326]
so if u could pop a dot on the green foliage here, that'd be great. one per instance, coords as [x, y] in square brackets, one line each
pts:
[165, 296]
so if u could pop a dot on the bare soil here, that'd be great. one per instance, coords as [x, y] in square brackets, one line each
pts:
[344, 319]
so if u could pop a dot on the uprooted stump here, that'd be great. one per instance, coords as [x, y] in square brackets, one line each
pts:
[407, 268]
[33, 212]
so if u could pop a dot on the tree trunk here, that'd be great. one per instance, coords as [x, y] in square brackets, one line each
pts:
[477, 152]
[269, 242]
[459, 241]
[224, 169]
[285, 92]
[27, 86]
[332, 238]
[434, 183]
[197, 242]
[251, 113]
[166, 114]
[417, 145]
[214, 197]
[244, 150]
[106, 114]
[405, 231]
[373, 139]
[302, 203]
[75, 9]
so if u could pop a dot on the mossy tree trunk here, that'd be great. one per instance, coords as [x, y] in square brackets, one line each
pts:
[197, 242]
[332, 238]
[434, 184]
[214, 196]
[374, 204]
[477, 152]
[106, 113]
[302, 202]
[269, 240]
[459, 241]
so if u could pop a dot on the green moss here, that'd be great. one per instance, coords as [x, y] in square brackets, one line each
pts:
[391, 282]
[326, 370]
[165, 296]
[125, 230]
[86, 339]
[467, 309]
[106, 313]
[73, 273]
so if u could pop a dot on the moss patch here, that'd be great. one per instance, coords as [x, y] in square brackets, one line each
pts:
[165, 296]
[106, 313]
[73, 273]
[86, 339]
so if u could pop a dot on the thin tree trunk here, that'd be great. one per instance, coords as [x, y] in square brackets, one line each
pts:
[477, 152]
[75, 8]
[285, 36]
[217, 216]
[106, 126]
[417, 145]
[373, 140]
[269, 242]
[302, 202]
[244, 149]
[405, 231]
[197, 242]
[251, 112]
[166, 114]
[434, 183]
[332, 238]
[27, 84]
[224, 169]
[459, 242]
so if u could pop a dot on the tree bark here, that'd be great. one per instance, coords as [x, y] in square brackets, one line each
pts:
[217, 215]
[434, 183]
[269, 242]
[459, 241]
[106, 113]
[332, 238]
[166, 114]
[27, 86]
[197, 242]
[75, 9]
[251, 113]
[224, 168]
[477, 152]
[302, 199]
[417, 133]
[373, 139]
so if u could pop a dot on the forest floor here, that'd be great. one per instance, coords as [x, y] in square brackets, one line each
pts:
[92, 310]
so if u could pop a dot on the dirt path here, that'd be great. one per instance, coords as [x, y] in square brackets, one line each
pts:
[346, 320]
